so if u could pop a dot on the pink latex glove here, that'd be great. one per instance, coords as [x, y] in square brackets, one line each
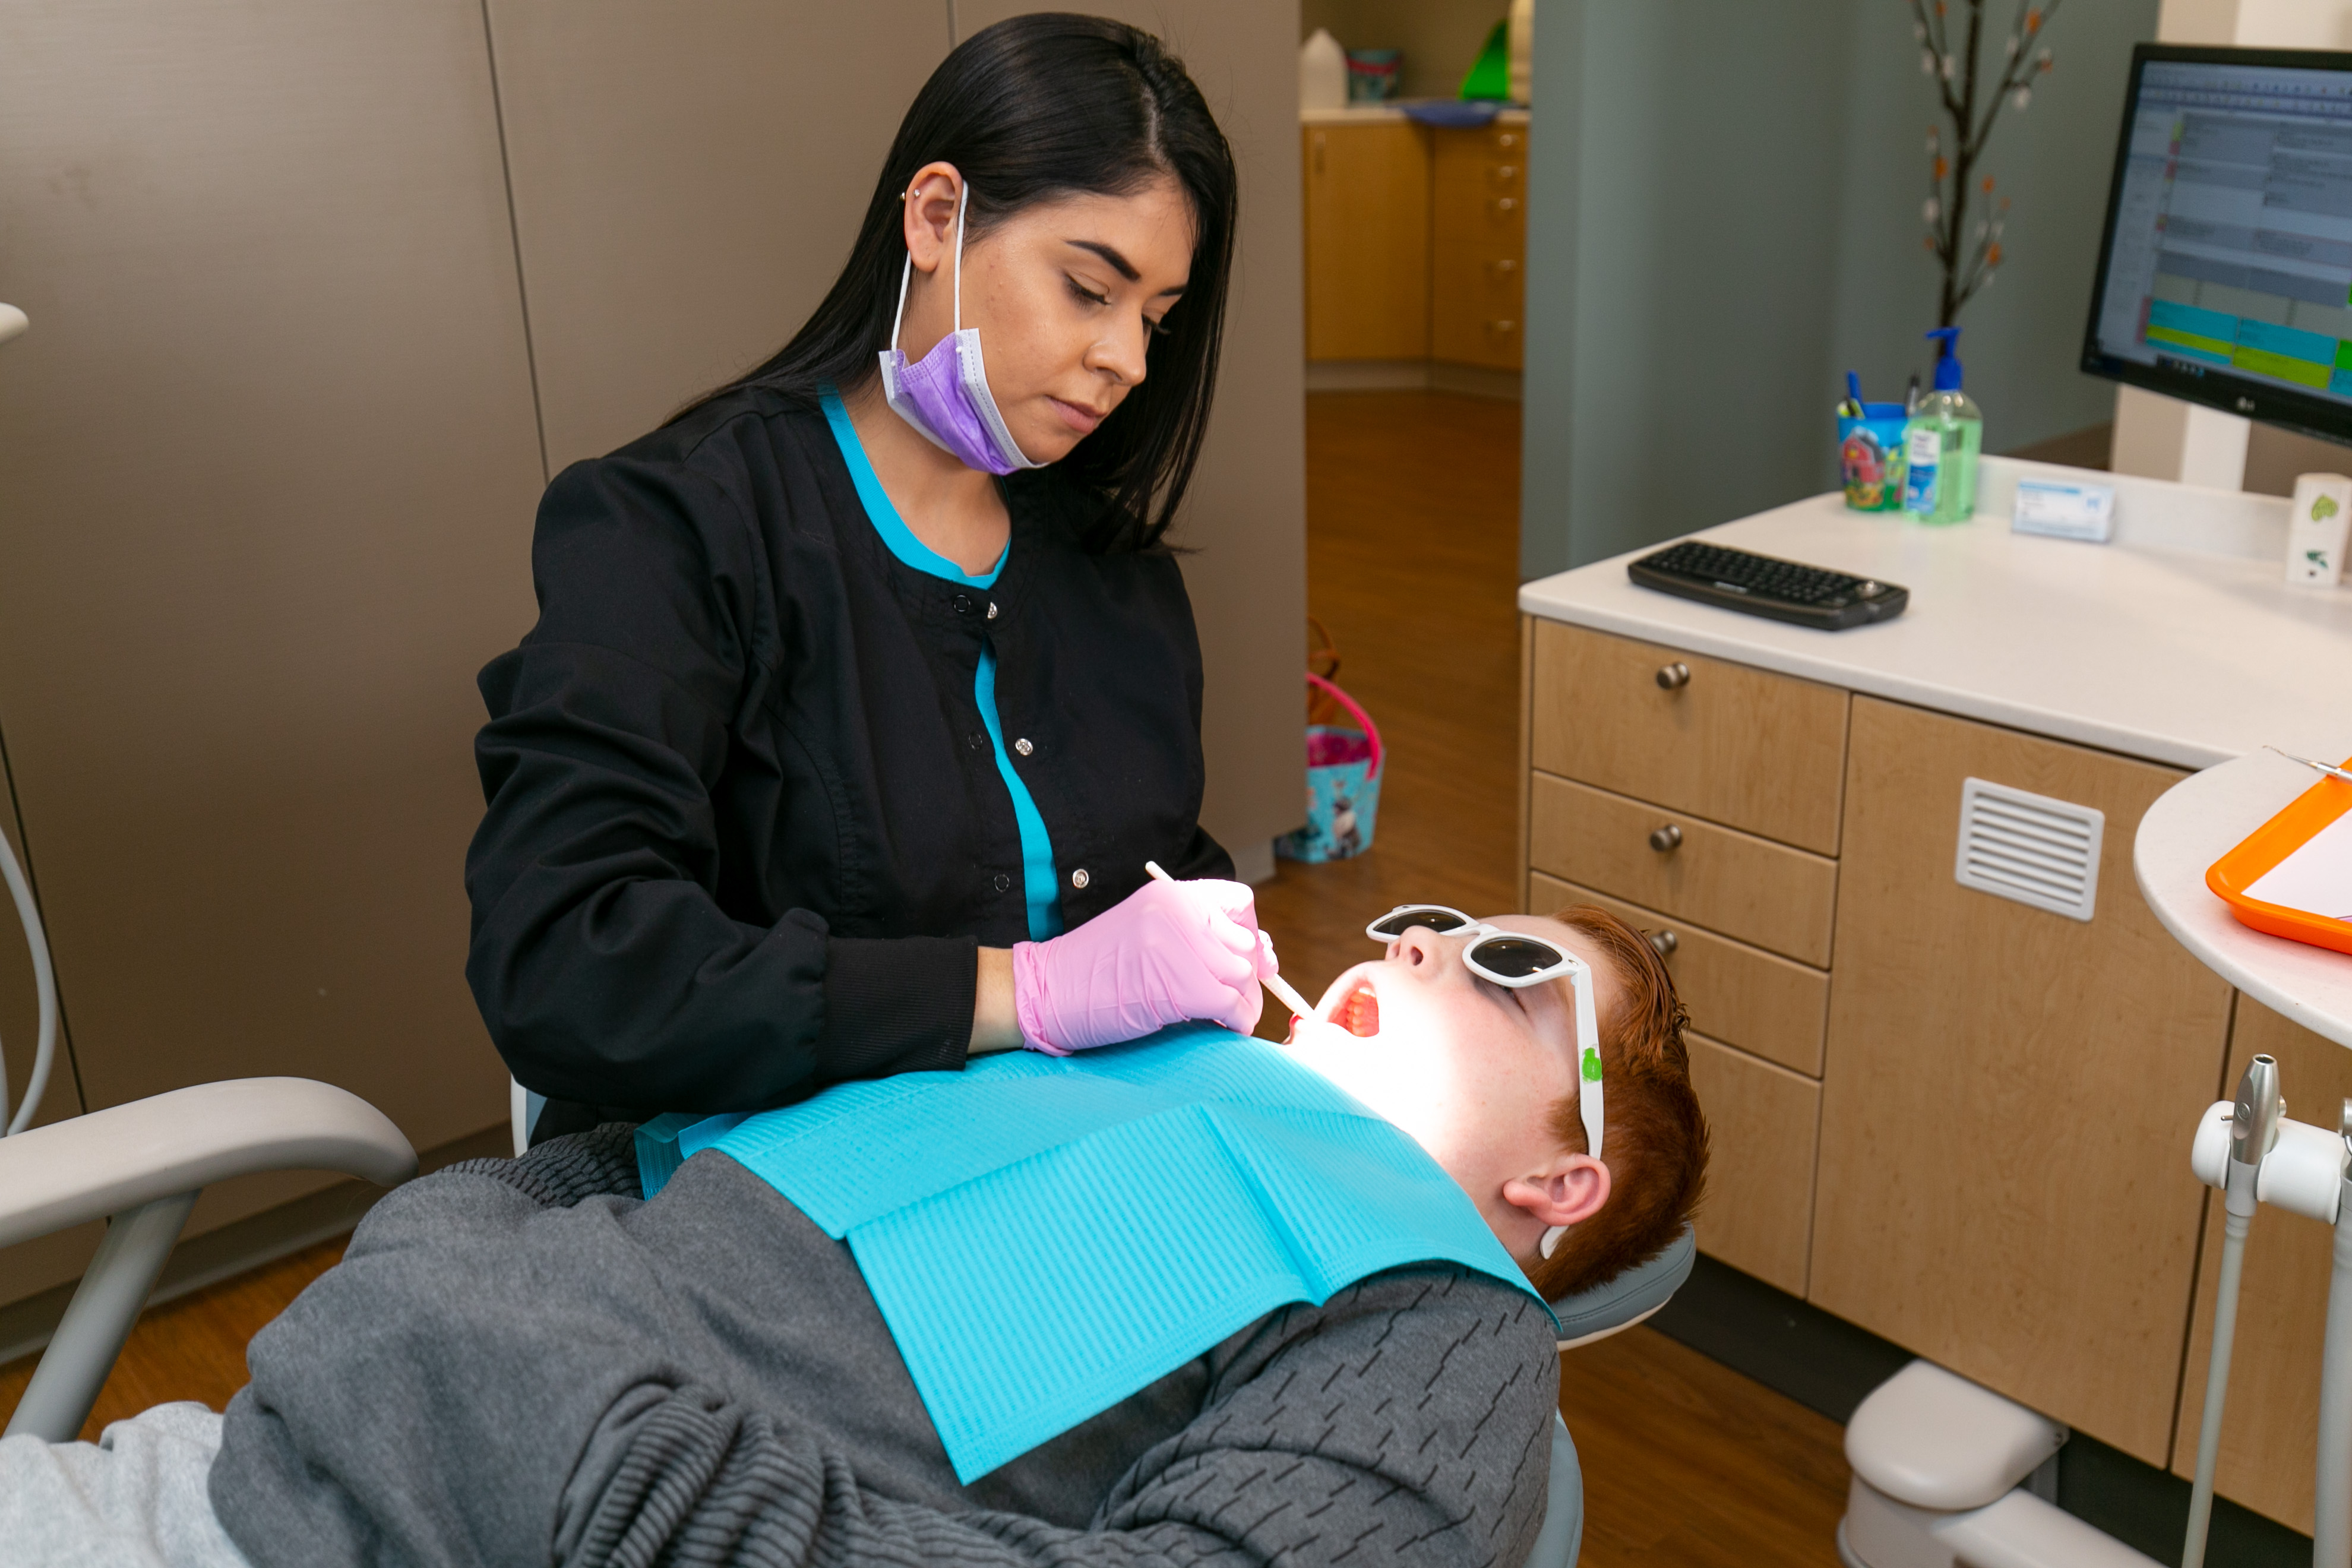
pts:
[1171, 951]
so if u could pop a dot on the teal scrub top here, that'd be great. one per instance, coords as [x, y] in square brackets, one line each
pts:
[1039, 885]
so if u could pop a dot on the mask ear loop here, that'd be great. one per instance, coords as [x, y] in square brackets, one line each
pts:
[907, 273]
[962, 197]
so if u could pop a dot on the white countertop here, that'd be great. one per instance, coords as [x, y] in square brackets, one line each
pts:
[2194, 824]
[2179, 642]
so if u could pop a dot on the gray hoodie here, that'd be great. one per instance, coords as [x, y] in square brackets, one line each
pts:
[522, 1362]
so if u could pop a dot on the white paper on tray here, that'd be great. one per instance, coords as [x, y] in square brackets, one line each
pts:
[2317, 878]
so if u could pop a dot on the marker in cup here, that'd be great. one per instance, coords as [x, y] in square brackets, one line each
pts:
[1283, 991]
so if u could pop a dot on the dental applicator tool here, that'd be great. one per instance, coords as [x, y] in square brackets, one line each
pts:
[1283, 991]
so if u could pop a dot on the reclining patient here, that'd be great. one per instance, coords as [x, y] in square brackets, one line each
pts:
[1006, 1316]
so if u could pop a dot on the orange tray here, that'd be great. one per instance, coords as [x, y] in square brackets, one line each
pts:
[2273, 842]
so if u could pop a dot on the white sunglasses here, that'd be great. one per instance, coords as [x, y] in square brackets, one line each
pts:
[1514, 959]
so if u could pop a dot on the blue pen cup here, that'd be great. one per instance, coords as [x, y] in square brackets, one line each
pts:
[1870, 458]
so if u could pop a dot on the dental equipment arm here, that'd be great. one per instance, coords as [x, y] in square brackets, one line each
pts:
[13, 321]
[2331, 1541]
[2254, 1131]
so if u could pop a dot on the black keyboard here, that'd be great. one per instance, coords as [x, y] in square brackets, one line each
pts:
[1767, 586]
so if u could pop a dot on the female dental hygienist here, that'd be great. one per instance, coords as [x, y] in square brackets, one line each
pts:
[862, 690]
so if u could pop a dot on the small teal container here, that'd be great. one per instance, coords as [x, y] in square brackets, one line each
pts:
[1343, 786]
[1870, 458]
[1373, 75]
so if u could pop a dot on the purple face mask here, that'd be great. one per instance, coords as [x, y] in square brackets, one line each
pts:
[945, 394]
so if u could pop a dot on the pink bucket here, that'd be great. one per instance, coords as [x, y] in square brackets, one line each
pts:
[1343, 785]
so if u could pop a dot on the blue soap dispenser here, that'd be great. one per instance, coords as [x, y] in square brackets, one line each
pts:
[1940, 443]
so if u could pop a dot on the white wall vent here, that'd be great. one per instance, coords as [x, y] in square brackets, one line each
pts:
[2030, 848]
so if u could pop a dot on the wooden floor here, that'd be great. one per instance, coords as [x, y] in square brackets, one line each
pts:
[192, 1348]
[1411, 563]
[1412, 535]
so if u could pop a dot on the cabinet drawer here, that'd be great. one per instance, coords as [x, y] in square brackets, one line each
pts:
[1740, 994]
[1735, 883]
[1763, 1123]
[1760, 752]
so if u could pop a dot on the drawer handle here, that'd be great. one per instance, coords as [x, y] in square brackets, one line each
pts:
[1674, 676]
[1666, 838]
[1507, 141]
[1664, 942]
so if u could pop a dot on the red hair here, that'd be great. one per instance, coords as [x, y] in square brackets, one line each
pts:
[1657, 1139]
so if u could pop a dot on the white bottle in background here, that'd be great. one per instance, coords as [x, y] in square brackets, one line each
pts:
[1522, 44]
[1322, 73]
[2315, 528]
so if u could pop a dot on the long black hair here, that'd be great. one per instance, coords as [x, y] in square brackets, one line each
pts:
[1034, 108]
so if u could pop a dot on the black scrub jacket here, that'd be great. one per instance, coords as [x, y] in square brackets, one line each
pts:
[745, 827]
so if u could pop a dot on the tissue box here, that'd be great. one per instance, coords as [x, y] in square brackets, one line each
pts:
[2316, 530]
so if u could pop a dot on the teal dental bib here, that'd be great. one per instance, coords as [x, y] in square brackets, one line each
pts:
[1047, 1235]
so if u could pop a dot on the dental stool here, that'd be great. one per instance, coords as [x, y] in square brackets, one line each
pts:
[1584, 1320]
[1943, 1474]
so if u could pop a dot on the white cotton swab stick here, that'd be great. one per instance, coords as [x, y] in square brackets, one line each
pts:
[1283, 991]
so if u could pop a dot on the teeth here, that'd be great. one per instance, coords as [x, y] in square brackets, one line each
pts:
[1360, 1014]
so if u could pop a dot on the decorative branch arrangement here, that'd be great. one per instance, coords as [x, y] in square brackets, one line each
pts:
[1971, 254]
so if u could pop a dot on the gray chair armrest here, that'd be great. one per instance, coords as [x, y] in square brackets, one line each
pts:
[139, 1167]
[109, 1161]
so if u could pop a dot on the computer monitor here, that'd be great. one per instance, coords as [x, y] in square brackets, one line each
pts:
[2225, 275]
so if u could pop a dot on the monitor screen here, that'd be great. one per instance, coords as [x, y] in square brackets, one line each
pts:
[2225, 276]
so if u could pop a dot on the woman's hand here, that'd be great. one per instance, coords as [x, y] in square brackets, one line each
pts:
[1171, 951]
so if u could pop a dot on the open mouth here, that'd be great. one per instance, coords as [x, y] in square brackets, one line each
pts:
[1359, 1012]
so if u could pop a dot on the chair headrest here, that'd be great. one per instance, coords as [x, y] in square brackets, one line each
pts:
[1631, 1296]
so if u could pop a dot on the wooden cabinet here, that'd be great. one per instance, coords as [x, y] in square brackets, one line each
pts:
[1684, 807]
[1367, 204]
[2267, 1457]
[1959, 1121]
[2004, 1180]
[1478, 246]
[1415, 242]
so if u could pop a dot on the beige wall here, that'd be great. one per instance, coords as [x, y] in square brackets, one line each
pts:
[267, 470]
[683, 195]
[269, 456]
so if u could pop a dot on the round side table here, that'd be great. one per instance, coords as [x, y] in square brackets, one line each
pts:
[2194, 824]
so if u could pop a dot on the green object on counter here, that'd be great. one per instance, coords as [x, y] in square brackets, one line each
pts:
[1940, 444]
[1490, 74]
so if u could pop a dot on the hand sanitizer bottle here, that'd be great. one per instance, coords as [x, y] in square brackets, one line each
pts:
[1940, 443]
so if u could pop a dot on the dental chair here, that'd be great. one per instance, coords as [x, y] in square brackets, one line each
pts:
[1628, 1299]
[140, 1166]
